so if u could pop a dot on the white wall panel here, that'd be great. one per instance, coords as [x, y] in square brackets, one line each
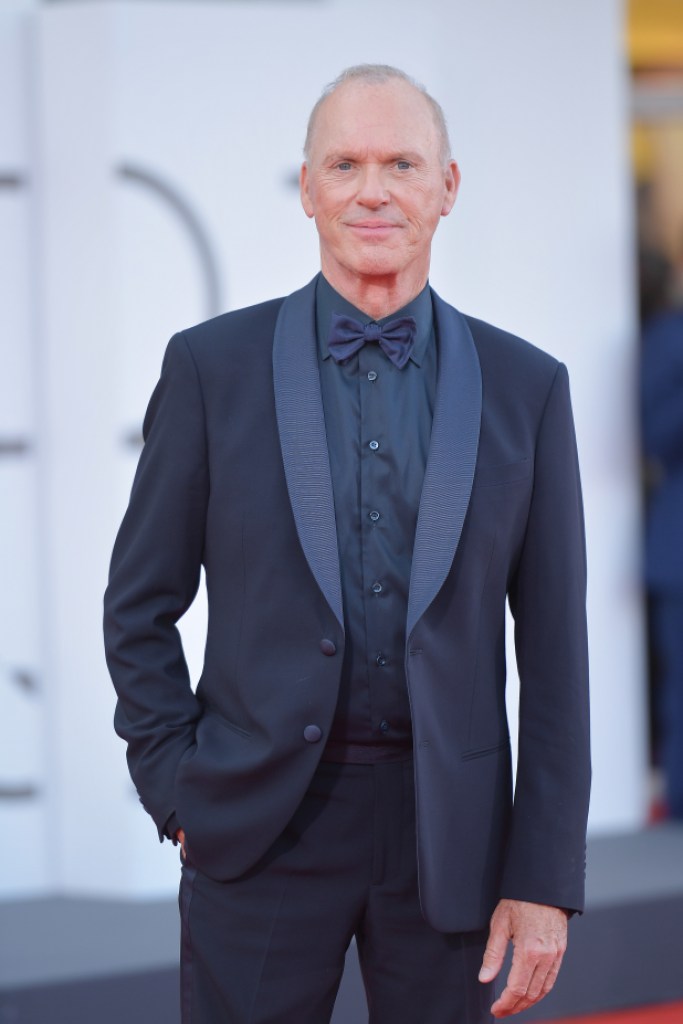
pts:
[24, 810]
[80, 296]
[17, 411]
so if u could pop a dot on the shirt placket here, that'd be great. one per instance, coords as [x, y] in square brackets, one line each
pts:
[373, 370]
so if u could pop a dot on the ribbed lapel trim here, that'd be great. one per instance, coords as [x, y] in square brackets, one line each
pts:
[451, 462]
[301, 424]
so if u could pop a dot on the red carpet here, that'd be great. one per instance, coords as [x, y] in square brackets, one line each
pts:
[666, 1013]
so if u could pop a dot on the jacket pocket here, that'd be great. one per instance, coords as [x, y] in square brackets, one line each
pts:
[469, 755]
[506, 473]
[211, 712]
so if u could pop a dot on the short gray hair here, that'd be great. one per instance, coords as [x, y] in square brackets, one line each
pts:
[378, 74]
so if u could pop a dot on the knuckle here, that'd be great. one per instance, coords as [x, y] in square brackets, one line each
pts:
[542, 958]
[525, 957]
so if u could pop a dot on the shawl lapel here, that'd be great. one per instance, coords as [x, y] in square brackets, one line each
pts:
[301, 424]
[451, 461]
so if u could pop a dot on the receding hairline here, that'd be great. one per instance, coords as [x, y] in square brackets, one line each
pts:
[380, 74]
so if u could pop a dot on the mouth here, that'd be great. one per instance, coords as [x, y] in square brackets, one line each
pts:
[373, 228]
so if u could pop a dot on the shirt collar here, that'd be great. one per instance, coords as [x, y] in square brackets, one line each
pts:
[329, 301]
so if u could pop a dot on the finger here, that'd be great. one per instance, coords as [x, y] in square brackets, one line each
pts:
[514, 1000]
[536, 989]
[508, 1002]
[511, 1000]
[522, 970]
[551, 976]
[494, 954]
[180, 836]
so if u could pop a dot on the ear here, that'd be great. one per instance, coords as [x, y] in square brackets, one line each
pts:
[452, 184]
[304, 192]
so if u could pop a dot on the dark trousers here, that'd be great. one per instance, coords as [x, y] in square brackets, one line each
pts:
[269, 947]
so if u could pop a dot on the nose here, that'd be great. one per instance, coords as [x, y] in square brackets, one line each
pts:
[372, 190]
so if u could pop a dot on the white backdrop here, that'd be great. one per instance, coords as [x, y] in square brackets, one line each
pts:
[23, 682]
[166, 138]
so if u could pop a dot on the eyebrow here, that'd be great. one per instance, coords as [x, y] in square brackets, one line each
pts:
[409, 155]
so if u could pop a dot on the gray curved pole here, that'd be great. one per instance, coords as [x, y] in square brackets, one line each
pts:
[199, 235]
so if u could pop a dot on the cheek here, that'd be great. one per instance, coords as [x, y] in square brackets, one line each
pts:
[426, 209]
[326, 221]
[328, 208]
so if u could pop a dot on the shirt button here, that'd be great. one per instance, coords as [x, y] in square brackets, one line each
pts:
[381, 660]
[373, 446]
[372, 375]
[384, 725]
[373, 515]
[312, 733]
[377, 588]
[328, 647]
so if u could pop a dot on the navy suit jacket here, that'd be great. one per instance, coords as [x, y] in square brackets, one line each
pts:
[235, 476]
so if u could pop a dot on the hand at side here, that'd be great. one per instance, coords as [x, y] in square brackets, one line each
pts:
[539, 939]
[180, 838]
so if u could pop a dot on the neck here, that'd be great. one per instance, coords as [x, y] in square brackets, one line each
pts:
[377, 296]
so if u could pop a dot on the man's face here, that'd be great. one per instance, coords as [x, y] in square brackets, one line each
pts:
[376, 183]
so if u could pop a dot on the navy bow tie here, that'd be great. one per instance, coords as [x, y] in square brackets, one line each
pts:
[396, 338]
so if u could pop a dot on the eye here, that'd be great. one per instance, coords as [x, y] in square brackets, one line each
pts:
[403, 165]
[344, 165]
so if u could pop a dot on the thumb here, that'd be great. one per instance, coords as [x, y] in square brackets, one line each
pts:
[494, 954]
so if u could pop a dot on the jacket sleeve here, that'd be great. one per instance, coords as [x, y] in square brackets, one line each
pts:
[545, 860]
[154, 577]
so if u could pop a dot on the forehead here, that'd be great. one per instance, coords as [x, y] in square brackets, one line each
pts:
[365, 115]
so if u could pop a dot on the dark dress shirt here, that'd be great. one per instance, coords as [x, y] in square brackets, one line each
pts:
[378, 421]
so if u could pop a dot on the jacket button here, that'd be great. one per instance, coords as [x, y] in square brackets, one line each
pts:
[328, 647]
[312, 733]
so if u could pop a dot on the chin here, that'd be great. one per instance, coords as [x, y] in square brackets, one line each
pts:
[376, 265]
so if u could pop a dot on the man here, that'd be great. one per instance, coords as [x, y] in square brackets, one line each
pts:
[365, 474]
[662, 431]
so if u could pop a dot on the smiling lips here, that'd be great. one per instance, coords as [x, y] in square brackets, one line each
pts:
[373, 228]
